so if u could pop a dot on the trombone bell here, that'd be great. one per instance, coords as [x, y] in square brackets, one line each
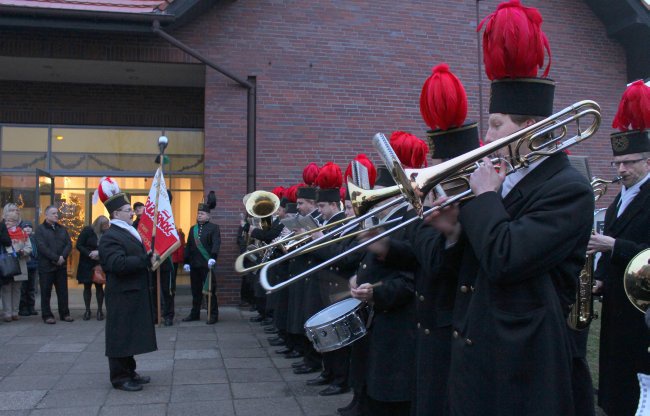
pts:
[637, 280]
[363, 200]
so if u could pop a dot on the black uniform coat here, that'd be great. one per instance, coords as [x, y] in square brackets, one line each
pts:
[423, 251]
[129, 305]
[210, 236]
[267, 236]
[624, 338]
[510, 349]
[86, 242]
[391, 356]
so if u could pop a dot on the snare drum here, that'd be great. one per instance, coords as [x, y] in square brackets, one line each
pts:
[337, 326]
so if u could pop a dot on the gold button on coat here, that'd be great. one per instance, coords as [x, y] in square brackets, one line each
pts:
[419, 325]
[464, 289]
[469, 341]
[421, 298]
[427, 332]
[455, 334]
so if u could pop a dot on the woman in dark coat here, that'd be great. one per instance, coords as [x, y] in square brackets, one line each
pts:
[129, 305]
[87, 244]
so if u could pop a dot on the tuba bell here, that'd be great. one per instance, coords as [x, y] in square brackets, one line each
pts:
[636, 280]
[262, 205]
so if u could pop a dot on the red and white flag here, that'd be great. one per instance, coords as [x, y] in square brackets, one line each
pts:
[167, 240]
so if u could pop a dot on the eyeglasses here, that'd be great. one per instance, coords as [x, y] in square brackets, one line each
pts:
[125, 210]
[626, 163]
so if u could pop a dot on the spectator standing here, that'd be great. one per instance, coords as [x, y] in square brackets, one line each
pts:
[87, 244]
[27, 304]
[138, 208]
[21, 244]
[53, 245]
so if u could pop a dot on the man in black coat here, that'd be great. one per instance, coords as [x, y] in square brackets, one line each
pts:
[54, 246]
[129, 304]
[624, 338]
[201, 253]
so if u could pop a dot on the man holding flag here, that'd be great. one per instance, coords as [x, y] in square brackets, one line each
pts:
[165, 241]
[201, 252]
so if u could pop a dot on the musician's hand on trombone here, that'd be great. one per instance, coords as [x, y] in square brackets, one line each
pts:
[599, 243]
[317, 234]
[363, 292]
[486, 178]
[445, 220]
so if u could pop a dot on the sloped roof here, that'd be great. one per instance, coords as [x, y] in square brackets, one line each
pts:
[106, 6]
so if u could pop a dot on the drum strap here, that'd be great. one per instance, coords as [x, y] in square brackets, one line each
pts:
[371, 315]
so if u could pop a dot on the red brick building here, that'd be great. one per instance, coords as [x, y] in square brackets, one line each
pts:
[327, 75]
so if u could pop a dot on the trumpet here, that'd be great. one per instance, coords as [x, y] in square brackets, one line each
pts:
[428, 178]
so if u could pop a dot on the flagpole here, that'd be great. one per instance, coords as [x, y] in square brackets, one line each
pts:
[162, 144]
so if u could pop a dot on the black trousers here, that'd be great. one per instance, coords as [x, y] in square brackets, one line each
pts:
[336, 366]
[168, 293]
[28, 292]
[59, 279]
[122, 369]
[378, 408]
[197, 279]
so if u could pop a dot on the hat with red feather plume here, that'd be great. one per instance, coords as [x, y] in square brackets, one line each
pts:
[633, 121]
[290, 194]
[109, 193]
[329, 182]
[363, 159]
[309, 175]
[411, 150]
[443, 105]
[514, 50]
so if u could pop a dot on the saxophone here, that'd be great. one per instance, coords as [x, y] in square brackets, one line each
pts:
[582, 311]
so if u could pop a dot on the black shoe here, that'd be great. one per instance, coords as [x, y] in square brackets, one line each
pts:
[278, 338]
[168, 322]
[333, 390]
[292, 355]
[284, 351]
[253, 308]
[190, 318]
[354, 410]
[212, 321]
[318, 381]
[277, 343]
[86, 316]
[244, 304]
[100, 315]
[349, 407]
[266, 321]
[305, 370]
[24, 313]
[271, 331]
[129, 385]
[33, 312]
[258, 318]
[141, 379]
[297, 364]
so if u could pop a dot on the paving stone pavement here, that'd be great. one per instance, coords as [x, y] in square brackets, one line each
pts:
[225, 369]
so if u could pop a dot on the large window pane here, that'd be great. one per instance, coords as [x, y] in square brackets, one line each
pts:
[24, 148]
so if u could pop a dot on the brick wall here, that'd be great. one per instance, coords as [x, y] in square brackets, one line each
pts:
[330, 74]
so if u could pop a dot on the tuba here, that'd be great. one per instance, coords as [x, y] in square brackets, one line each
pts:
[637, 280]
[582, 311]
[262, 205]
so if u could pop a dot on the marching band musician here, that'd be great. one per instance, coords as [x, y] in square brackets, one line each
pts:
[420, 250]
[266, 236]
[624, 338]
[328, 201]
[201, 253]
[384, 360]
[522, 246]
[298, 303]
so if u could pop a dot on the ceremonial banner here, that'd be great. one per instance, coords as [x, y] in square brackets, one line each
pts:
[167, 240]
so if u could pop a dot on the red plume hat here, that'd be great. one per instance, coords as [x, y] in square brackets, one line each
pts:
[514, 49]
[633, 121]
[309, 175]
[411, 150]
[329, 182]
[443, 105]
[109, 193]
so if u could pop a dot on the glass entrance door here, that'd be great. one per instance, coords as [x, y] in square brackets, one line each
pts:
[44, 193]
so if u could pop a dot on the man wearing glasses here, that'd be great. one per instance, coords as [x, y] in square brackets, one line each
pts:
[624, 338]
[54, 246]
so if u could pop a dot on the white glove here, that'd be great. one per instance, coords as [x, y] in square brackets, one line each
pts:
[211, 263]
[186, 268]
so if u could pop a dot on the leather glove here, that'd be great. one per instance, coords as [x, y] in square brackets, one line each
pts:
[211, 263]
[186, 268]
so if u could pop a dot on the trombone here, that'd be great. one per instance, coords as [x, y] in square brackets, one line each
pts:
[463, 165]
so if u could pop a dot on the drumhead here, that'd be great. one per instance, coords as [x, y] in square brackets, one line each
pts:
[333, 312]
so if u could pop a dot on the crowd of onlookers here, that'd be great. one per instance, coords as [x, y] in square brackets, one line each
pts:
[43, 251]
